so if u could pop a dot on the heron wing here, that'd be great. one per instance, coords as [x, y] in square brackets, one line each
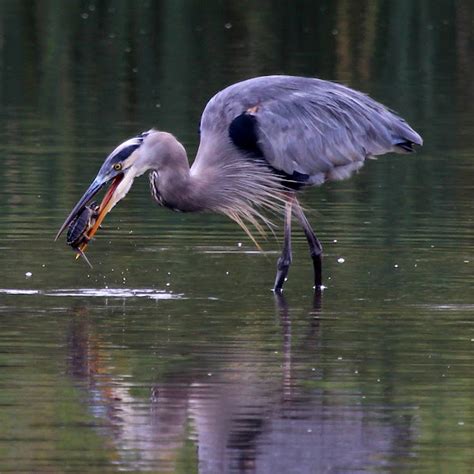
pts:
[307, 127]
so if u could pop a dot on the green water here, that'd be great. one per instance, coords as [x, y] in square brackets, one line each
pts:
[172, 354]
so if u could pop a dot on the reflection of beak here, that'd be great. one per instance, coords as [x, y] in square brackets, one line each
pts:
[105, 206]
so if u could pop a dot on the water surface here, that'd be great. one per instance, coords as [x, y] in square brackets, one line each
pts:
[172, 354]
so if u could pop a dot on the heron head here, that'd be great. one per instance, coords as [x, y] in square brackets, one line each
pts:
[118, 171]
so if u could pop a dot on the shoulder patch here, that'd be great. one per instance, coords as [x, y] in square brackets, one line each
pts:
[243, 133]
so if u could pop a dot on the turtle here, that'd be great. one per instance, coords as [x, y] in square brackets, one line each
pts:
[80, 226]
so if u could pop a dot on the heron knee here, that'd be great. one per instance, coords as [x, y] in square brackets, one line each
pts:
[284, 262]
[316, 250]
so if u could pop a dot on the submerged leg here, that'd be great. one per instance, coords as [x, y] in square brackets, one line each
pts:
[315, 247]
[284, 261]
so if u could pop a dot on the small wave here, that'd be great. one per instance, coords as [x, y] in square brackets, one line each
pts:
[447, 307]
[233, 250]
[13, 291]
[149, 293]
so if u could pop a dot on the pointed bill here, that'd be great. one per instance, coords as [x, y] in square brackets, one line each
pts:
[93, 189]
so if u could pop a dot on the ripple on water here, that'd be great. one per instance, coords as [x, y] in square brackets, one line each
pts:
[448, 307]
[149, 293]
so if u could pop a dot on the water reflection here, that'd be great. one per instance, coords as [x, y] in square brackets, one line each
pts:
[251, 413]
[379, 372]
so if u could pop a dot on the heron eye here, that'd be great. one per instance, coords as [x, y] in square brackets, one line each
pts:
[118, 166]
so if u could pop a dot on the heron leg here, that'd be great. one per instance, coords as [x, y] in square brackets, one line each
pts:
[315, 247]
[284, 262]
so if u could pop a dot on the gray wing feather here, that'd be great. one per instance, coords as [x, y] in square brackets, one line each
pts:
[314, 127]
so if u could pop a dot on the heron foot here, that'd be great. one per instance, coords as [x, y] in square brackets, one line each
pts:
[283, 266]
[318, 270]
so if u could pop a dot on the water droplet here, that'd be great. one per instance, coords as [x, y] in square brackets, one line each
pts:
[85, 16]
[396, 265]
[341, 260]
[239, 244]
[228, 26]
[28, 274]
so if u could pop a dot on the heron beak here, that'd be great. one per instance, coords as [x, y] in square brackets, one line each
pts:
[93, 189]
[104, 208]
[108, 202]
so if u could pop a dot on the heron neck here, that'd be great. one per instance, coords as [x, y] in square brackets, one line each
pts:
[174, 187]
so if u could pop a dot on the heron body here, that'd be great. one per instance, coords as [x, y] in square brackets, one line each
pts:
[262, 141]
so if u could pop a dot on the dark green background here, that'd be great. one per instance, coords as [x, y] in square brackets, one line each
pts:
[202, 370]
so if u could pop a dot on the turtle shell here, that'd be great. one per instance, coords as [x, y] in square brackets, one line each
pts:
[79, 226]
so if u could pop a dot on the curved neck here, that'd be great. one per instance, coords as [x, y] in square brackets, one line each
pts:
[174, 188]
[221, 180]
[170, 179]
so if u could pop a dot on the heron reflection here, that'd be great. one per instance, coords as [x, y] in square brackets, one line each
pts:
[246, 410]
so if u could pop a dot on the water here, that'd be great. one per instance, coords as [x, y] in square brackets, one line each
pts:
[172, 354]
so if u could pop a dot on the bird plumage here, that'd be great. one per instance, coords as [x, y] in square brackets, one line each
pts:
[261, 140]
[296, 129]
[234, 186]
[310, 126]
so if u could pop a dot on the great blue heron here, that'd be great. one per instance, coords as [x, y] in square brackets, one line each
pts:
[262, 140]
